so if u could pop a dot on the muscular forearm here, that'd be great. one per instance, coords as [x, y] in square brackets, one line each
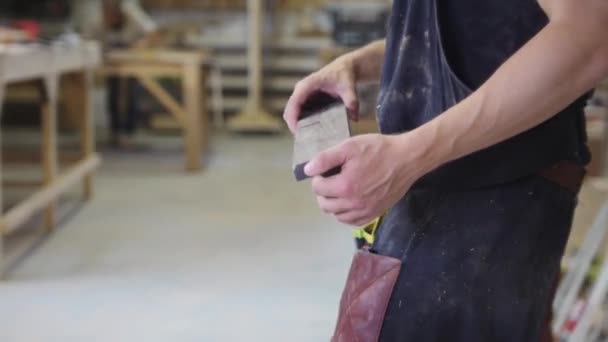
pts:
[367, 61]
[566, 59]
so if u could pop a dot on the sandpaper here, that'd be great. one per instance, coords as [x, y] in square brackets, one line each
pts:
[323, 124]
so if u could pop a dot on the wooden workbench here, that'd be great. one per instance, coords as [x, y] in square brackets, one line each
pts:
[146, 66]
[44, 66]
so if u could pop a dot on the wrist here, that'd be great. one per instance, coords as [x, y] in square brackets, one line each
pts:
[426, 149]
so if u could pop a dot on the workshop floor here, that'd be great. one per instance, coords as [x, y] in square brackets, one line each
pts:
[236, 253]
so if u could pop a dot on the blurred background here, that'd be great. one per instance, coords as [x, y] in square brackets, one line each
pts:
[147, 188]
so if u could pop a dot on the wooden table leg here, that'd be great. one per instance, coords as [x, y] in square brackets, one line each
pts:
[78, 87]
[49, 142]
[191, 90]
[87, 131]
[205, 119]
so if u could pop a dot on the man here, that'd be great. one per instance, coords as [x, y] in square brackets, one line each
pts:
[99, 18]
[479, 162]
[119, 24]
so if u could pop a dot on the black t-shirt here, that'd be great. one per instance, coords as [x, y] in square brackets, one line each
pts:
[437, 53]
[479, 35]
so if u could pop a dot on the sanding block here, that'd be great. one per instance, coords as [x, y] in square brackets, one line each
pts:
[323, 123]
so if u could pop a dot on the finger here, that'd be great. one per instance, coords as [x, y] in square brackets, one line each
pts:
[348, 95]
[293, 108]
[336, 187]
[331, 158]
[330, 187]
[335, 206]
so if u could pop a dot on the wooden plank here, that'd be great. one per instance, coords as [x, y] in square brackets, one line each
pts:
[163, 122]
[155, 56]
[272, 83]
[192, 91]
[30, 64]
[48, 194]
[302, 44]
[132, 69]
[87, 129]
[22, 183]
[27, 65]
[204, 75]
[27, 156]
[274, 104]
[49, 142]
[164, 98]
[304, 64]
[324, 128]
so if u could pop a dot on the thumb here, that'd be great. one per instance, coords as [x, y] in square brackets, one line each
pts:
[326, 160]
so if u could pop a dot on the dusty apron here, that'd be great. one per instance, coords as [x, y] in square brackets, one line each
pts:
[463, 257]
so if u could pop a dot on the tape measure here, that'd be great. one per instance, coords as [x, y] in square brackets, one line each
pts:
[366, 235]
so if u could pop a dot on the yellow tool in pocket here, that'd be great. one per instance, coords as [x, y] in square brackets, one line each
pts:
[367, 234]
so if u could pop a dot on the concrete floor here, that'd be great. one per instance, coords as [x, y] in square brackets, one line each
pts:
[236, 253]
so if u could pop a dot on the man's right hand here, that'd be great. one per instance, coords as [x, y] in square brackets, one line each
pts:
[337, 79]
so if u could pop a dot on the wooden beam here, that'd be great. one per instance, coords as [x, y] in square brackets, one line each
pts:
[165, 98]
[87, 130]
[155, 56]
[204, 75]
[192, 91]
[21, 183]
[253, 118]
[27, 156]
[30, 64]
[131, 69]
[26, 209]
[49, 146]
[254, 52]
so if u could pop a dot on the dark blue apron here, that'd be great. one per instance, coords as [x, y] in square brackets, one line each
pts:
[481, 238]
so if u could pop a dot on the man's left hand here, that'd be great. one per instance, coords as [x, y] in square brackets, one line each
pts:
[377, 171]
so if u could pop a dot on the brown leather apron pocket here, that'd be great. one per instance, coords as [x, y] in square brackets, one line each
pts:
[365, 298]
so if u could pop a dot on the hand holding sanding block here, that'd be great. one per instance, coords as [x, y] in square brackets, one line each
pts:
[323, 123]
